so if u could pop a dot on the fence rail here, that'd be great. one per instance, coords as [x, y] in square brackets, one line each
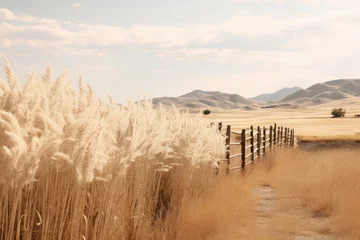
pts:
[243, 148]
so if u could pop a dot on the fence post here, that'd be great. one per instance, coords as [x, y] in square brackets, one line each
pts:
[264, 140]
[293, 138]
[275, 134]
[278, 135]
[259, 141]
[289, 136]
[220, 126]
[286, 137]
[228, 135]
[281, 136]
[243, 148]
[252, 142]
[271, 136]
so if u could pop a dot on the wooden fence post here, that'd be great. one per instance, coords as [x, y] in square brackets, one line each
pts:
[252, 142]
[271, 136]
[220, 126]
[293, 138]
[286, 137]
[278, 135]
[264, 140]
[228, 135]
[259, 141]
[290, 136]
[275, 134]
[243, 148]
[281, 135]
[288, 143]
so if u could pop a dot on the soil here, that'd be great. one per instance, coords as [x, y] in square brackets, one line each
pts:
[295, 222]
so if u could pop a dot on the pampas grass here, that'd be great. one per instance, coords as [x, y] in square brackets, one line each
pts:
[75, 167]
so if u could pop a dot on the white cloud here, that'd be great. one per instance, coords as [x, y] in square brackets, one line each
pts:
[270, 48]
[6, 14]
[242, 24]
[301, 45]
[82, 51]
[95, 68]
[76, 5]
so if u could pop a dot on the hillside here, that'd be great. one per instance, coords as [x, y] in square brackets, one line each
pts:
[321, 93]
[206, 99]
[276, 96]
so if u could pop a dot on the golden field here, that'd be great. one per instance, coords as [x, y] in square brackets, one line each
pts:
[310, 122]
[73, 166]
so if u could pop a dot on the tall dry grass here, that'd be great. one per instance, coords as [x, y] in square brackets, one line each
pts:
[310, 187]
[75, 167]
[326, 182]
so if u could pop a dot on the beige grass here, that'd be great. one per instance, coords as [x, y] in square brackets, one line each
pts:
[327, 184]
[307, 122]
[316, 193]
[73, 166]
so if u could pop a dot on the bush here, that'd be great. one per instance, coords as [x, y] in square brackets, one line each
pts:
[338, 113]
[206, 112]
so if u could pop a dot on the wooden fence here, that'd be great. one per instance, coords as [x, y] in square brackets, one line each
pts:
[243, 148]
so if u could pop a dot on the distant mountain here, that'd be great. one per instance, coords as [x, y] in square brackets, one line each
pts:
[276, 96]
[206, 100]
[325, 92]
[317, 94]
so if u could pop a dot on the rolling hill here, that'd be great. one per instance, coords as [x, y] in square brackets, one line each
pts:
[276, 96]
[325, 92]
[317, 94]
[206, 99]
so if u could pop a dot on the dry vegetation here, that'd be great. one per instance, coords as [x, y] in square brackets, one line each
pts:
[73, 167]
[325, 182]
[316, 195]
[337, 138]
[309, 122]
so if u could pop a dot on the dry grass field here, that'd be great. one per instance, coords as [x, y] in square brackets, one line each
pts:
[288, 195]
[75, 167]
[309, 122]
[316, 193]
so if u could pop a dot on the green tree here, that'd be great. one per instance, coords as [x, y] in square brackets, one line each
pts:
[338, 112]
[206, 112]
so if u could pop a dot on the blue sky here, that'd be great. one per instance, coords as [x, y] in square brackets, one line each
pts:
[132, 49]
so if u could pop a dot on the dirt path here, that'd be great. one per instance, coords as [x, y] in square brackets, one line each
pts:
[286, 218]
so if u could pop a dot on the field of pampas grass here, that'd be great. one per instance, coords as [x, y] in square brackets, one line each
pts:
[75, 167]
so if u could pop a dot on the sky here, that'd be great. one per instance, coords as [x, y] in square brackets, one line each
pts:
[142, 48]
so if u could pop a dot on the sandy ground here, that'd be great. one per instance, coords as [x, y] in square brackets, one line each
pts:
[275, 218]
[307, 121]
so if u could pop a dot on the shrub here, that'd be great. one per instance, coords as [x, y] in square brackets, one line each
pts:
[338, 113]
[206, 112]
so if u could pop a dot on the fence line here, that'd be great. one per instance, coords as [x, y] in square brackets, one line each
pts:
[243, 148]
